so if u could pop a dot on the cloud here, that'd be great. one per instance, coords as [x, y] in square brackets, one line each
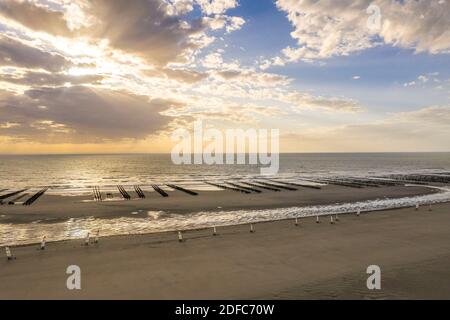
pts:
[80, 114]
[123, 53]
[151, 29]
[236, 23]
[431, 116]
[230, 80]
[423, 79]
[35, 16]
[267, 63]
[209, 7]
[179, 7]
[426, 129]
[145, 29]
[230, 24]
[249, 77]
[33, 78]
[302, 101]
[329, 28]
[180, 75]
[215, 60]
[216, 6]
[16, 53]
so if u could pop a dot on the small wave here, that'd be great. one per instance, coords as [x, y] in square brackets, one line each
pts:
[160, 221]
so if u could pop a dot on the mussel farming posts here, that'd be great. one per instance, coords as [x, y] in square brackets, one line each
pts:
[423, 178]
[123, 192]
[359, 182]
[31, 200]
[192, 193]
[277, 186]
[335, 182]
[260, 186]
[97, 193]
[13, 201]
[159, 190]
[380, 181]
[297, 184]
[225, 187]
[243, 187]
[139, 192]
[11, 194]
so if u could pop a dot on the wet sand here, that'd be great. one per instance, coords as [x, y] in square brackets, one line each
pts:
[279, 260]
[53, 207]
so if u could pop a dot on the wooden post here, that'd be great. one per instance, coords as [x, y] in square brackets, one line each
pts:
[214, 231]
[331, 219]
[9, 256]
[180, 237]
[97, 236]
[252, 230]
[296, 222]
[87, 239]
[43, 242]
[317, 219]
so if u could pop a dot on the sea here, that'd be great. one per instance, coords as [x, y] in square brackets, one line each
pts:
[71, 175]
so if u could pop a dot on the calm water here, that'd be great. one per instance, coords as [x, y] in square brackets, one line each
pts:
[72, 173]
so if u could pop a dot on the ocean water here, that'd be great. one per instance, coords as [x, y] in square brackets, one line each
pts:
[75, 174]
[78, 173]
[160, 221]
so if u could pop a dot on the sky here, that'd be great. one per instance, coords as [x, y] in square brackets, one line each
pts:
[101, 76]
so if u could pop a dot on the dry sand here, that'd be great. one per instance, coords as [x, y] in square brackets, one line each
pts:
[53, 207]
[278, 261]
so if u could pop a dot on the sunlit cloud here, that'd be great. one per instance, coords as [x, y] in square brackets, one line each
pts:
[81, 73]
[329, 28]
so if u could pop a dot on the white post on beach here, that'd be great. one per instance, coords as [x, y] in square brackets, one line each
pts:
[331, 220]
[87, 239]
[358, 212]
[97, 236]
[180, 236]
[337, 217]
[214, 231]
[43, 242]
[317, 219]
[296, 222]
[252, 230]
[417, 206]
[8, 253]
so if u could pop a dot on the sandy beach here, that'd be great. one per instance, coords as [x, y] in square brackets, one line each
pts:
[56, 208]
[278, 261]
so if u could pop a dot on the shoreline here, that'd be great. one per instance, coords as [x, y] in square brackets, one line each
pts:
[66, 229]
[203, 228]
[278, 261]
[59, 208]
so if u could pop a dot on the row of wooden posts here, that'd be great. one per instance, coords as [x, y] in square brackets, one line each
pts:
[268, 184]
[20, 194]
[87, 240]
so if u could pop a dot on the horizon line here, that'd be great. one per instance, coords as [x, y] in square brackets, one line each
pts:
[168, 153]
